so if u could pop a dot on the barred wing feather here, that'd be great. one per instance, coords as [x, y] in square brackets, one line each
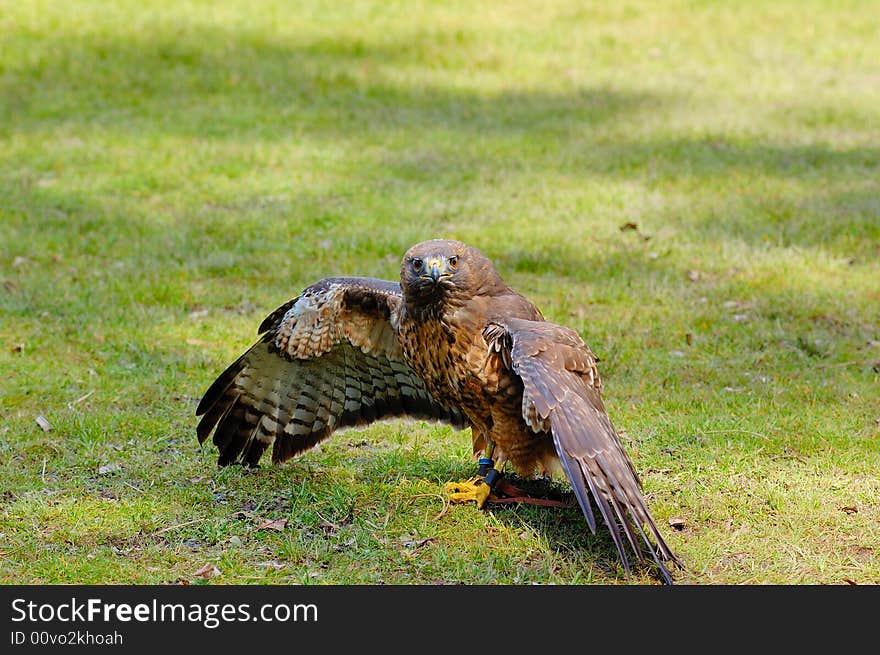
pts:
[327, 359]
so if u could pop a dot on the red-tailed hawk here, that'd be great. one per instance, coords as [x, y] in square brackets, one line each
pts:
[452, 342]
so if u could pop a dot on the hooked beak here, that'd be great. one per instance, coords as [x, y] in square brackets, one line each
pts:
[435, 269]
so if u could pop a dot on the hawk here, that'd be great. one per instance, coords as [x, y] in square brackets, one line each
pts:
[452, 343]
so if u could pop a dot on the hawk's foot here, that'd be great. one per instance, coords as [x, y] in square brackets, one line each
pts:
[474, 489]
[478, 488]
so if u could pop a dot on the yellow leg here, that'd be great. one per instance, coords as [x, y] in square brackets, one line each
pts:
[490, 448]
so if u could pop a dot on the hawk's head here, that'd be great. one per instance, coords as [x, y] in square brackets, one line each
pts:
[440, 271]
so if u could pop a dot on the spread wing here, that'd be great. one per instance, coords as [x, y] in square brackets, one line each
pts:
[561, 395]
[326, 360]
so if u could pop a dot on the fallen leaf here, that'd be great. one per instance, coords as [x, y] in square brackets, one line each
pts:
[278, 525]
[629, 225]
[414, 542]
[43, 423]
[735, 559]
[106, 469]
[850, 582]
[849, 509]
[689, 338]
[677, 523]
[862, 553]
[11, 286]
[693, 276]
[206, 572]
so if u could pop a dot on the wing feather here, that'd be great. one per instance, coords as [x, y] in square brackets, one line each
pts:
[561, 388]
[327, 359]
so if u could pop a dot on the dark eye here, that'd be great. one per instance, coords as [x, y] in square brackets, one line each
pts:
[453, 262]
[417, 264]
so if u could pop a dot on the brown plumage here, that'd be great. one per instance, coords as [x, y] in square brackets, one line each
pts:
[452, 342]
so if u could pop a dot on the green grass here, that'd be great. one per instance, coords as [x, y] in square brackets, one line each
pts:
[172, 171]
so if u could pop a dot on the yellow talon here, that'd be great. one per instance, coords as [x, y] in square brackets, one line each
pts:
[473, 489]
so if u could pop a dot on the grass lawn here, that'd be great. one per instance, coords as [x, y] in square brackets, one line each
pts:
[694, 187]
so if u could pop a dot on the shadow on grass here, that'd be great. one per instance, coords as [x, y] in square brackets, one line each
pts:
[565, 529]
[325, 486]
[213, 85]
